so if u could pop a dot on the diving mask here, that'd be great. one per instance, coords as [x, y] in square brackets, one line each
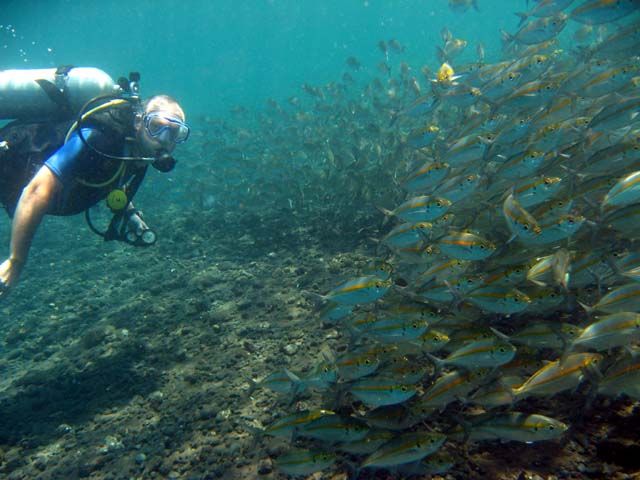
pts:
[166, 128]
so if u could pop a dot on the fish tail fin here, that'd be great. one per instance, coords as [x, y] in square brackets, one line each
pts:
[567, 346]
[499, 334]
[387, 214]
[493, 110]
[523, 17]
[506, 38]
[510, 390]
[256, 433]
[437, 363]
[466, 427]
[318, 300]
[297, 384]
[253, 385]
[587, 308]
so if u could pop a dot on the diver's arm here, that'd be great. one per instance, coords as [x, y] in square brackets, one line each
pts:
[31, 207]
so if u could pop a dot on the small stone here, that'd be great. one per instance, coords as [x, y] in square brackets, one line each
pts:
[290, 349]
[63, 428]
[156, 398]
[265, 467]
[223, 414]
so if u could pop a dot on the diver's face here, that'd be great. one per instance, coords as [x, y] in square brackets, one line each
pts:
[160, 131]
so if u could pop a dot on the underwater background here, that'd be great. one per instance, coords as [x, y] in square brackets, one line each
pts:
[215, 55]
[120, 362]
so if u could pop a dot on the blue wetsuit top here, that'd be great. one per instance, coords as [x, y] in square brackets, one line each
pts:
[70, 160]
[73, 161]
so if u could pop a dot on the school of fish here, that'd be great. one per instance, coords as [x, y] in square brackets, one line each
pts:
[508, 267]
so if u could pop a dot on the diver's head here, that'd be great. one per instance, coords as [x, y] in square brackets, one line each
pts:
[160, 125]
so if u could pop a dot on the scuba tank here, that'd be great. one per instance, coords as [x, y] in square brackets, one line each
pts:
[59, 93]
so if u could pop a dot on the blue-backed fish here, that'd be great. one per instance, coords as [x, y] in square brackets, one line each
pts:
[423, 208]
[625, 298]
[560, 375]
[368, 444]
[594, 12]
[448, 388]
[609, 331]
[422, 137]
[538, 30]
[379, 391]
[545, 8]
[498, 299]
[482, 353]
[512, 426]
[461, 6]
[466, 246]
[546, 335]
[354, 365]
[332, 428]
[405, 448]
[305, 462]
[622, 377]
[407, 234]
[289, 425]
[520, 222]
[427, 177]
[533, 191]
[359, 290]
[623, 193]
[396, 329]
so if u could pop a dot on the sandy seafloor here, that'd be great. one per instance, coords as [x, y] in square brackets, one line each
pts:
[122, 363]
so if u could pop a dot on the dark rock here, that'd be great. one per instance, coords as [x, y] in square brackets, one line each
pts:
[265, 467]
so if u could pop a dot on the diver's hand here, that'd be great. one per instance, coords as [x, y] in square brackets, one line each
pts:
[9, 275]
[136, 224]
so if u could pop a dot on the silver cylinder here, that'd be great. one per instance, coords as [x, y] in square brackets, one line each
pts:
[21, 97]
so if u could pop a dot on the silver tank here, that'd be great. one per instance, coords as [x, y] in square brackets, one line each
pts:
[21, 97]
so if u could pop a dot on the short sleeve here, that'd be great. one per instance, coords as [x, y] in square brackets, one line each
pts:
[71, 160]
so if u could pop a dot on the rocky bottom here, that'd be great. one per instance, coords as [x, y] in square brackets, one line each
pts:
[138, 364]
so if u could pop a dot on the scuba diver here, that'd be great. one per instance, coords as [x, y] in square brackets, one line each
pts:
[69, 161]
